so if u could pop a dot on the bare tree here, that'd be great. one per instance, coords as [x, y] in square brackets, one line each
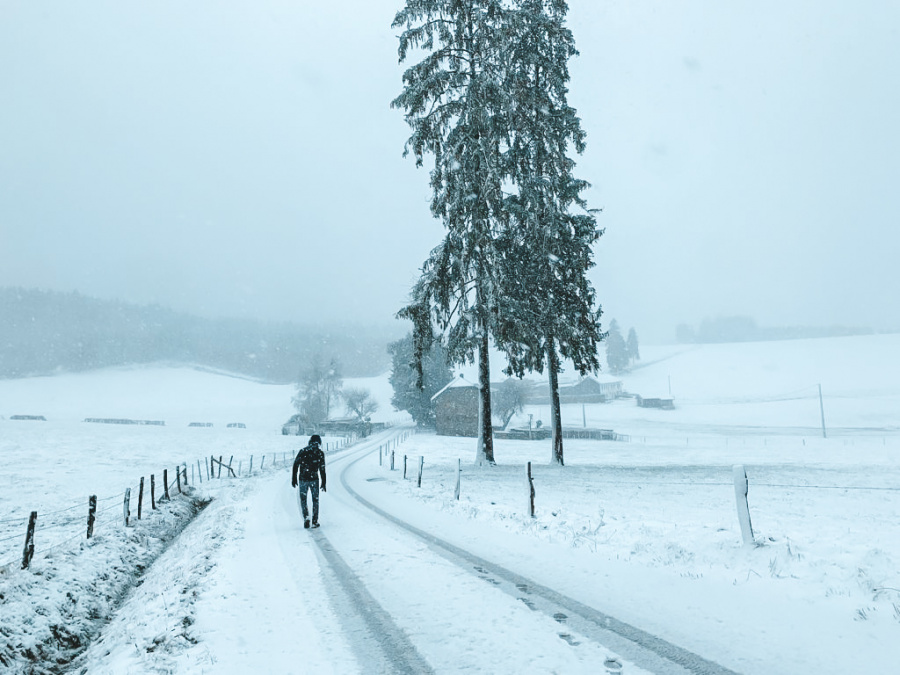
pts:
[359, 402]
[508, 399]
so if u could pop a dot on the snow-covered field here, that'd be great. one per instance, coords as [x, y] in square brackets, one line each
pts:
[644, 530]
[56, 464]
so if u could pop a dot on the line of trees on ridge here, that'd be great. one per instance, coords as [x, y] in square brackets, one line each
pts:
[45, 332]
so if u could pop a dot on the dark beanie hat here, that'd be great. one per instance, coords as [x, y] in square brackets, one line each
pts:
[315, 439]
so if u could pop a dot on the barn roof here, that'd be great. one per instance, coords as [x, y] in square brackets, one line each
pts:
[456, 383]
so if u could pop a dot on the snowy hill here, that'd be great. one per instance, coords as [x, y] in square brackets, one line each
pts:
[848, 366]
[747, 385]
[177, 395]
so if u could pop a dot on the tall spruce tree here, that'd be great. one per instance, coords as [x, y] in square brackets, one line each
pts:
[631, 344]
[411, 393]
[452, 99]
[489, 102]
[616, 349]
[548, 307]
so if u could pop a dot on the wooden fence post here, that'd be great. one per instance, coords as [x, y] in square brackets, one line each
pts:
[392, 460]
[822, 410]
[206, 462]
[229, 470]
[421, 462]
[126, 506]
[92, 515]
[530, 492]
[741, 487]
[166, 483]
[140, 497]
[219, 475]
[185, 475]
[458, 475]
[153, 491]
[262, 464]
[380, 460]
[250, 470]
[28, 553]
[404, 467]
[178, 478]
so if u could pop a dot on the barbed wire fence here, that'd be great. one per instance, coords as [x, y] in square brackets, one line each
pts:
[43, 533]
[411, 467]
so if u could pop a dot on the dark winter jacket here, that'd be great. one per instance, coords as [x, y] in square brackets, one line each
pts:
[309, 462]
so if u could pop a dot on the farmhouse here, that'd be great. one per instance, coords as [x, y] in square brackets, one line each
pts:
[588, 389]
[456, 408]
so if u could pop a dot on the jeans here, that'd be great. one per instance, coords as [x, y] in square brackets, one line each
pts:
[312, 486]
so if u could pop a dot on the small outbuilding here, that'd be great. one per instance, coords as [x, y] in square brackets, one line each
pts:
[456, 408]
[661, 403]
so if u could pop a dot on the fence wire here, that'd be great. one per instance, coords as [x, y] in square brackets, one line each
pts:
[50, 522]
[752, 484]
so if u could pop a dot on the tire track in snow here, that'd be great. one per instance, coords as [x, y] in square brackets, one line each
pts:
[644, 649]
[381, 645]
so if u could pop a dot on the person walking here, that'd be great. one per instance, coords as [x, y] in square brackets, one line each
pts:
[308, 465]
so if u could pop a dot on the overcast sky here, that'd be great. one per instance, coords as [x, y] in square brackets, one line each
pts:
[241, 158]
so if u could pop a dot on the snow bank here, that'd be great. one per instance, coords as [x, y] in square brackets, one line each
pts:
[52, 610]
[826, 515]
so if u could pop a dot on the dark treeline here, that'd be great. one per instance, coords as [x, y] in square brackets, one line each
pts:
[43, 332]
[745, 329]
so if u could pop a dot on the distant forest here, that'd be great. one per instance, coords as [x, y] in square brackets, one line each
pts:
[745, 329]
[44, 332]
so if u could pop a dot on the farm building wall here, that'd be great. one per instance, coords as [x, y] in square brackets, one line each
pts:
[456, 412]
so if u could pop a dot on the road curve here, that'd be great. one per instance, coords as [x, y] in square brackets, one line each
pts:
[644, 649]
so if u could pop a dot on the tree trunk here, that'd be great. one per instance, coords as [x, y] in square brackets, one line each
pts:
[556, 456]
[485, 432]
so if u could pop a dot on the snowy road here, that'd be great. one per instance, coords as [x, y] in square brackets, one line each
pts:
[458, 621]
[406, 608]
[389, 586]
[383, 586]
[409, 602]
[641, 647]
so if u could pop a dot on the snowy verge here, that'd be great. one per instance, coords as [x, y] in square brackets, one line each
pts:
[653, 540]
[239, 590]
[55, 608]
[154, 627]
[127, 596]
